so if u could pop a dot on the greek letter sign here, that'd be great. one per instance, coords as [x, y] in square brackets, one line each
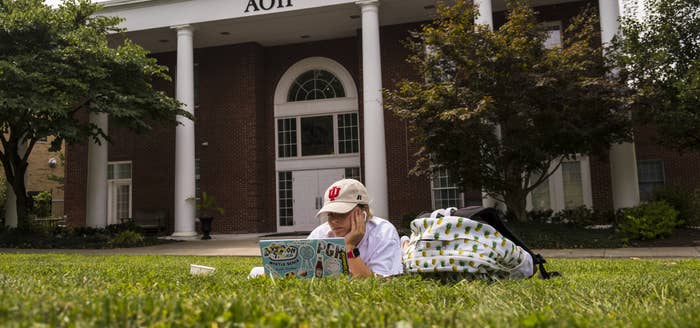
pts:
[266, 5]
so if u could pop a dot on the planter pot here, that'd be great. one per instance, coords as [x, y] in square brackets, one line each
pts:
[206, 226]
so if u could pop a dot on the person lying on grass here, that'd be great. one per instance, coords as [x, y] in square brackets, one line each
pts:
[372, 242]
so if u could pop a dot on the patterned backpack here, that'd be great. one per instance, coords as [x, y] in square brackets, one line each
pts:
[470, 243]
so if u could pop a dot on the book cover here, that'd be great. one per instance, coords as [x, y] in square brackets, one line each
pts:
[304, 258]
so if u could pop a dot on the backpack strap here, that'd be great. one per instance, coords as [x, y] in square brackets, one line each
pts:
[492, 217]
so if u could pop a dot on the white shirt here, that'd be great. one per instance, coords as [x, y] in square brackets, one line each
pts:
[380, 248]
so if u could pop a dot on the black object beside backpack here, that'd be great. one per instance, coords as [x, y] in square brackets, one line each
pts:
[493, 217]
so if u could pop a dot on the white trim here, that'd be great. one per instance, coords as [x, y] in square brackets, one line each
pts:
[556, 186]
[113, 184]
[120, 162]
[113, 3]
[318, 163]
[550, 27]
[316, 107]
[433, 189]
[311, 63]
[116, 163]
[323, 107]
[336, 141]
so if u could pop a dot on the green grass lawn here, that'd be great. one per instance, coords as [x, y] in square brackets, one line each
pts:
[130, 291]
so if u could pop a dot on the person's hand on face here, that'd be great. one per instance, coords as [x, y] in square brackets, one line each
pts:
[350, 225]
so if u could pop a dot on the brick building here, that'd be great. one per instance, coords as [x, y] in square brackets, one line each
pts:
[286, 95]
[45, 171]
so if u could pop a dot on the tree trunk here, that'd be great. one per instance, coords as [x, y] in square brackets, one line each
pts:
[20, 190]
[22, 206]
[15, 170]
[517, 205]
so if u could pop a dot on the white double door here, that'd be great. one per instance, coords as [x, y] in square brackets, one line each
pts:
[119, 201]
[307, 189]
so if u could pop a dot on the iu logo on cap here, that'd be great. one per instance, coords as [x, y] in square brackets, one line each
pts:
[333, 193]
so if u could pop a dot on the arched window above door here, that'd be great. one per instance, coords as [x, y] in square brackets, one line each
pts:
[315, 84]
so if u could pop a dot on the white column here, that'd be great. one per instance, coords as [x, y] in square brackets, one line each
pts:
[623, 159]
[10, 207]
[485, 12]
[374, 140]
[11, 200]
[96, 207]
[486, 18]
[184, 136]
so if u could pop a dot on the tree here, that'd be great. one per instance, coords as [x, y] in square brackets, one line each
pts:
[500, 111]
[55, 63]
[659, 56]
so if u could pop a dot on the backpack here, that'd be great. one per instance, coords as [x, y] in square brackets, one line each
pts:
[469, 243]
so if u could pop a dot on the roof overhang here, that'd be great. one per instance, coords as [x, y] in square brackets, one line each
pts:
[267, 22]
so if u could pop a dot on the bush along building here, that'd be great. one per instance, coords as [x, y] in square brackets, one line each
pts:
[286, 96]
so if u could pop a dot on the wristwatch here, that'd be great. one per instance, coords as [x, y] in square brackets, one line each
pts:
[355, 252]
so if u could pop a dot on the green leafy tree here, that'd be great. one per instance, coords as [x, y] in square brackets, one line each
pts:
[498, 109]
[659, 56]
[55, 63]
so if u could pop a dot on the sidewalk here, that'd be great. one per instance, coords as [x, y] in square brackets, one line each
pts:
[247, 245]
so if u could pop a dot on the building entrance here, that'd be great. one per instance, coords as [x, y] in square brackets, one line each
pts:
[308, 188]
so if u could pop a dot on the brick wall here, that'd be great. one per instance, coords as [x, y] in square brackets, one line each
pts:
[76, 180]
[407, 193]
[229, 121]
[39, 173]
[601, 182]
[679, 169]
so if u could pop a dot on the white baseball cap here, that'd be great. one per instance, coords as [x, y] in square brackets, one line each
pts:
[342, 196]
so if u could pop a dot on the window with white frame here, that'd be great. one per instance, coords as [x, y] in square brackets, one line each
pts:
[445, 191]
[286, 198]
[119, 192]
[572, 183]
[553, 30]
[317, 135]
[321, 135]
[540, 196]
[651, 176]
[197, 184]
[287, 137]
[568, 187]
[348, 134]
[314, 85]
[353, 173]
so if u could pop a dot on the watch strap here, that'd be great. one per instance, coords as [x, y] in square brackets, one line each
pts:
[355, 252]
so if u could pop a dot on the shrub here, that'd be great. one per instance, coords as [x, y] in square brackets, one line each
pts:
[121, 227]
[126, 239]
[582, 216]
[88, 231]
[540, 216]
[42, 204]
[685, 201]
[648, 221]
[33, 229]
